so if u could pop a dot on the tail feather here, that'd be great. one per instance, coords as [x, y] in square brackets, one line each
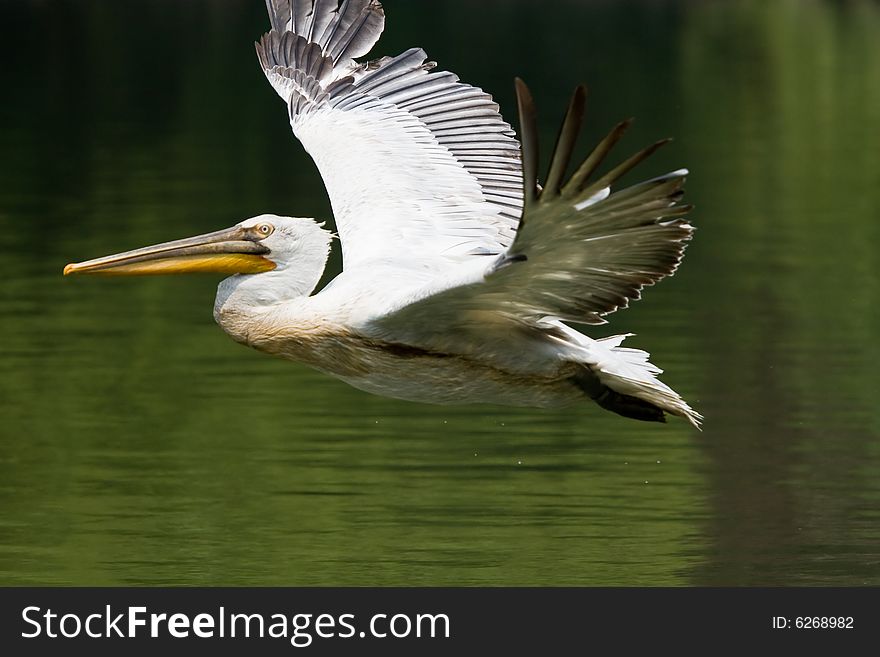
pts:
[623, 380]
[629, 372]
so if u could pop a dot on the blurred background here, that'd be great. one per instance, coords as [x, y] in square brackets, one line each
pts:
[139, 445]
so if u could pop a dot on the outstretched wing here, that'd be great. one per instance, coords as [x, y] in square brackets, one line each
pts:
[413, 160]
[581, 251]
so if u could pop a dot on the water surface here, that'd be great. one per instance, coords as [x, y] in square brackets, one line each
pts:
[139, 445]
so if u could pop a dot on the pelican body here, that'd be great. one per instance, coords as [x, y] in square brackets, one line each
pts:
[460, 271]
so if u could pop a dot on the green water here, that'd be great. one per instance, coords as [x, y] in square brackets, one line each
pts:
[139, 445]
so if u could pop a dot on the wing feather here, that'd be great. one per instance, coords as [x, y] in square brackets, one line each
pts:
[581, 251]
[414, 161]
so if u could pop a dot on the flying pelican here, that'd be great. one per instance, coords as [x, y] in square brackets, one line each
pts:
[460, 270]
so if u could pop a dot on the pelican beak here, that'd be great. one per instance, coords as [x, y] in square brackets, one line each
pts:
[235, 250]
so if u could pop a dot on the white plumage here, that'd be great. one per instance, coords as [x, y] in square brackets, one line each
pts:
[459, 268]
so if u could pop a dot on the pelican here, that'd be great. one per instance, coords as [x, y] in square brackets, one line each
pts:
[461, 273]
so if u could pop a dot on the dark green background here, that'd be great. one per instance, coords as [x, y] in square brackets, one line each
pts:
[139, 445]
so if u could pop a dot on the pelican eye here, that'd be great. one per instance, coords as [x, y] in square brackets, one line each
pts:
[264, 230]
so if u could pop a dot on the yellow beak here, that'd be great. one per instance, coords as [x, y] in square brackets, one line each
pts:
[235, 250]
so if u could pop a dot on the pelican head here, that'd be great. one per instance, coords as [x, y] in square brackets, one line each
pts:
[253, 246]
[288, 253]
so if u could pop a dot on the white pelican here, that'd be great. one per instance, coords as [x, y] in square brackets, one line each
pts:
[459, 268]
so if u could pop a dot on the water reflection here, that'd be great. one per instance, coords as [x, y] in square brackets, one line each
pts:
[140, 446]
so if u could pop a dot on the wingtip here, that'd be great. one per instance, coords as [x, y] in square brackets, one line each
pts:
[523, 95]
[528, 138]
[579, 99]
[522, 89]
[621, 128]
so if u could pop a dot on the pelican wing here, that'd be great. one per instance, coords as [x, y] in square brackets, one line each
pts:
[413, 160]
[581, 251]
